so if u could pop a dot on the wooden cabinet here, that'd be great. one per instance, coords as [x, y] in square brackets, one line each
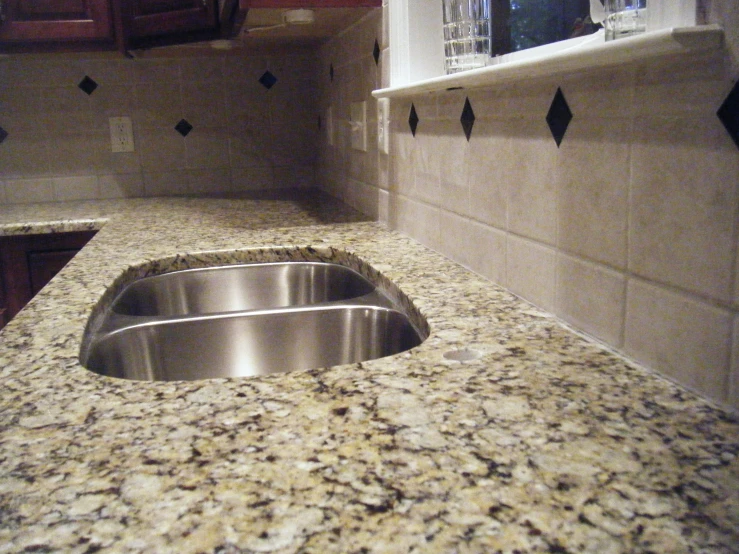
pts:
[28, 22]
[54, 25]
[158, 18]
[51, 25]
[28, 263]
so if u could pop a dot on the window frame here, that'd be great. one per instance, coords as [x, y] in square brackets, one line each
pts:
[417, 55]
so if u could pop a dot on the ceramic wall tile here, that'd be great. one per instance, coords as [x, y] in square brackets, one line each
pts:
[157, 71]
[600, 93]
[682, 86]
[161, 150]
[487, 252]
[489, 172]
[202, 69]
[383, 205]
[202, 181]
[295, 176]
[456, 159]
[114, 100]
[592, 298]
[110, 71]
[683, 205]
[418, 220]
[594, 172]
[294, 144]
[24, 155]
[157, 105]
[733, 399]
[207, 148]
[77, 154]
[121, 185]
[21, 108]
[685, 339]
[204, 104]
[430, 146]
[531, 168]
[253, 178]
[531, 271]
[23, 191]
[250, 146]
[75, 188]
[165, 183]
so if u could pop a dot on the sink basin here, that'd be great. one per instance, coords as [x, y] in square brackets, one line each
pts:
[245, 320]
[257, 343]
[241, 287]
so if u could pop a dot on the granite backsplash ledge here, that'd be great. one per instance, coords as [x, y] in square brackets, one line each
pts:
[541, 441]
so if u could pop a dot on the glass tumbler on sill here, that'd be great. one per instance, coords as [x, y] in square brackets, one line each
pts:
[624, 18]
[466, 34]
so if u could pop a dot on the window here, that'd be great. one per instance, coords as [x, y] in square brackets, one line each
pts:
[416, 32]
[522, 24]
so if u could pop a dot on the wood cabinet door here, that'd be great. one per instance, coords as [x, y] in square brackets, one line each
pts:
[55, 20]
[28, 262]
[147, 18]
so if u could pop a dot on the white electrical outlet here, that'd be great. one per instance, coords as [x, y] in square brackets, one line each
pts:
[121, 134]
[383, 125]
[358, 123]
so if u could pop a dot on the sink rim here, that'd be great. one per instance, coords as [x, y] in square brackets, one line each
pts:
[157, 370]
[260, 255]
[177, 285]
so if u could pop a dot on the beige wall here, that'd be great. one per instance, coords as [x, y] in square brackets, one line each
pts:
[244, 136]
[627, 231]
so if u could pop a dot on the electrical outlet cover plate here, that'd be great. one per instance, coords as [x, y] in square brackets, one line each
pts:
[121, 134]
[359, 125]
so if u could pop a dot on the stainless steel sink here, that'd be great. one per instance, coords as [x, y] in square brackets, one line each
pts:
[257, 343]
[245, 320]
[241, 287]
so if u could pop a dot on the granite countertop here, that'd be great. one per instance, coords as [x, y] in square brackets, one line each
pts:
[543, 441]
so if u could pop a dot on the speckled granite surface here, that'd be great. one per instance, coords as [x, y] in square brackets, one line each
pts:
[545, 442]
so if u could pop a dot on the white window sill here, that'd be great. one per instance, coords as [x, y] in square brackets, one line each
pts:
[679, 40]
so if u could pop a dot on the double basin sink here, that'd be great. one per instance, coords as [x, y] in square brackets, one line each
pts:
[245, 320]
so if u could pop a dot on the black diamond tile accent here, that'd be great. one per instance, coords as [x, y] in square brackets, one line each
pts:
[728, 113]
[376, 52]
[559, 117]
[3, 135]
[268, 80]
[413, 120]
[183, 127]
[468, 118]
[331, 72]
[88, 85]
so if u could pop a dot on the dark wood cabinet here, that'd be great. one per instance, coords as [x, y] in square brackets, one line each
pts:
[51, 25]
[147, 19]
[29, 262]
[57, 25]
[40, 22]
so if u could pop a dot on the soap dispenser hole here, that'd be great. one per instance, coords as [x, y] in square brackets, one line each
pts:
[463, 355]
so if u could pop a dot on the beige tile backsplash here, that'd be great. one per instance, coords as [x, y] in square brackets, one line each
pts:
[674, 334]
[627, 231]
[58, 131]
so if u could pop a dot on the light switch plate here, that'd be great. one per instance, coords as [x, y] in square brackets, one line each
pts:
[121, 134]
[358, 122]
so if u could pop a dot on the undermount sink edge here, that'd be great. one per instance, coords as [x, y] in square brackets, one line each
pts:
[107, 320]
